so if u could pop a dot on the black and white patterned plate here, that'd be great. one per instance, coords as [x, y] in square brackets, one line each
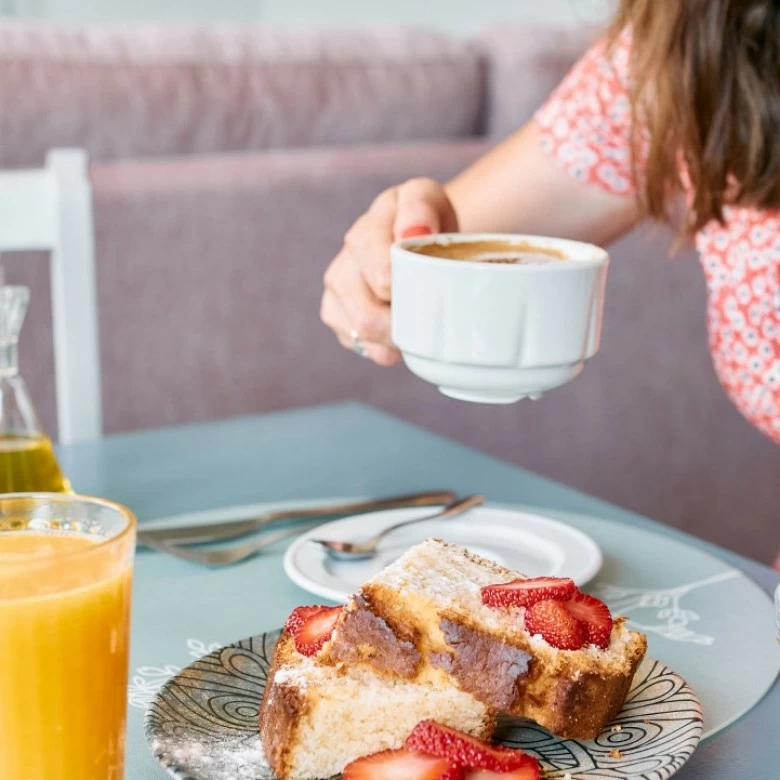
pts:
[203, 724]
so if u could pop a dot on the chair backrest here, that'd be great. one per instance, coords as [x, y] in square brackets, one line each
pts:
[51, 209]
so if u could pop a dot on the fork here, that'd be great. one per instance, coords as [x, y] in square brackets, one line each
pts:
[226, 556]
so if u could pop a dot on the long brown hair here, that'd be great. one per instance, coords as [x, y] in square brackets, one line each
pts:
[705, 89]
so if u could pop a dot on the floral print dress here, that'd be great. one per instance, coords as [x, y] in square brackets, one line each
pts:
[586, 128]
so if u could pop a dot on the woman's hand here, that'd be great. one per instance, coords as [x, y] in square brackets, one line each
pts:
[356, 301]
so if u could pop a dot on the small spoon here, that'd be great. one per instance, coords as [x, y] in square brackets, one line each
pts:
[353, 551]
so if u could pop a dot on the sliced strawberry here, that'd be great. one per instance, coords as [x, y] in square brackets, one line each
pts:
[523, 593]
[526, 772]
[463, 749]
[313, 632]
[595, 616]
[299, 616]
[402, 765]
[556, 624]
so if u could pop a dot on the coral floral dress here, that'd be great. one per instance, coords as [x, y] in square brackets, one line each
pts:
[586, 127]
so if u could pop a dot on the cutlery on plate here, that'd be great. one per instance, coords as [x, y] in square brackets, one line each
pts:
[219, 532]
[353, 551]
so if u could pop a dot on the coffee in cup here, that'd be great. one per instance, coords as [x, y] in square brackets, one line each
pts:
[492, 251]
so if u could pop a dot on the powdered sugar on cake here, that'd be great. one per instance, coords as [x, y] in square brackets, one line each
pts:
[446, 573]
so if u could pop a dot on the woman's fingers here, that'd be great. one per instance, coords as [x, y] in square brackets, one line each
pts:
[333, 316]
[358, 282]
[348, 306]
[369, 240]
[417, 207]
[422, 207]
[367, 315]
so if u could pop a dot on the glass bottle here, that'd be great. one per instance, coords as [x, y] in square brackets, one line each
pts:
[27, 460]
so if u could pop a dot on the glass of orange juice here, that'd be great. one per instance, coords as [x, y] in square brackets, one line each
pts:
[66, 564]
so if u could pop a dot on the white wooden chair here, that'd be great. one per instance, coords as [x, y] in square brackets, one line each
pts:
[51, 209]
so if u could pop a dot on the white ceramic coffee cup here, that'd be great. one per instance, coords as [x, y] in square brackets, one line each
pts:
[494, 332]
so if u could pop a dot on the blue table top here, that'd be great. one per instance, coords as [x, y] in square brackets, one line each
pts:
[330, 451]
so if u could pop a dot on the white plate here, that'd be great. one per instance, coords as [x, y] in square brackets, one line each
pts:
[521, 541]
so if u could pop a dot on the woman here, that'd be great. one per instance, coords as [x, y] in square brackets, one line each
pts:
[679, 102]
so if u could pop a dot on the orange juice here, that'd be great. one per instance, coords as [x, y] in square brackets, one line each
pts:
[64, 625]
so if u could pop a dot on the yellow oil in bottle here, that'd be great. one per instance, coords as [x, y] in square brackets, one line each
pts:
[28, 465]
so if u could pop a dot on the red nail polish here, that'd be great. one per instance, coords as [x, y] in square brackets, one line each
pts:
[416, 230]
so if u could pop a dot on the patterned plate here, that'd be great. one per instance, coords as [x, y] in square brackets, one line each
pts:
[202, 725]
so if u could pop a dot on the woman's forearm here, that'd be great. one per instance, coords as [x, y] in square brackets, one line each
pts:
[517, 188]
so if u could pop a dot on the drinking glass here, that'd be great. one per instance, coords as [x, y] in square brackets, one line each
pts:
[66, 565]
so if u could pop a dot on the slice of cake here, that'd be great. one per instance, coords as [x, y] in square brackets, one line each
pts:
[316, 719]
[435, 617]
